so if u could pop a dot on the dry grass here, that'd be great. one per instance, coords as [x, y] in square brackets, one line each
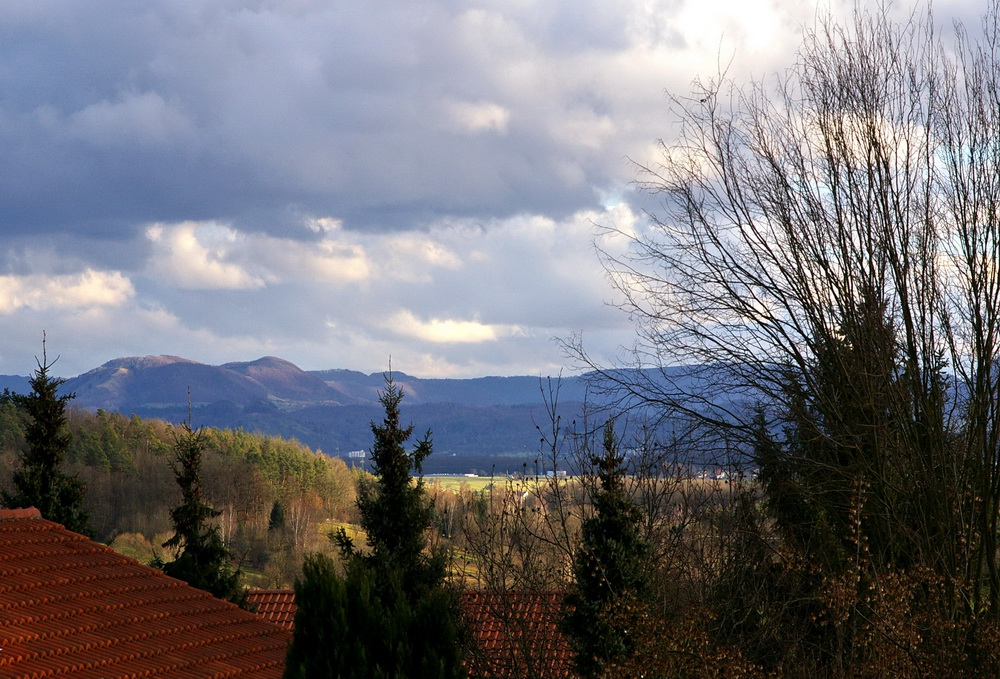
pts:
[460, 482]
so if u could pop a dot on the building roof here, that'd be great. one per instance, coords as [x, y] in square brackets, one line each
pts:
[70, 607]
[277, 606]
[515, 633]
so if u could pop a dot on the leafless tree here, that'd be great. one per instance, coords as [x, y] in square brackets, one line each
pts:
[828, 249]
[522, 536]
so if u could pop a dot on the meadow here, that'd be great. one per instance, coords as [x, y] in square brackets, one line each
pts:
[457, 482]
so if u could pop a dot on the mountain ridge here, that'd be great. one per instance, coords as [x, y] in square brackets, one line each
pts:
[476, 423]
[331, 410]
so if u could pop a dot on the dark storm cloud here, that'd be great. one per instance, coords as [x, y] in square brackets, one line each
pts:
[115, 113]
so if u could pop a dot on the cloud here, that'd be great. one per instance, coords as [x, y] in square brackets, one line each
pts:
[134, 119]
[471, 118]
[194, 257]
[338, 182]
[75, 292]
[440, 331]
[390, 115]
[458, 297]
[335, 258]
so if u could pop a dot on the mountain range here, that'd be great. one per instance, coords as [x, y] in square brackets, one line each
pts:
[476, 423]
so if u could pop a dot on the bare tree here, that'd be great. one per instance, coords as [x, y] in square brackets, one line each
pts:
[828, 249]
[522, 536]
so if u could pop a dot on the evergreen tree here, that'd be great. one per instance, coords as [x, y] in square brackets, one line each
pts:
[389, 616]
[364, 626]
[40, 482]
[610, 568]
[395, 510]
[204, 562]
[276, 520]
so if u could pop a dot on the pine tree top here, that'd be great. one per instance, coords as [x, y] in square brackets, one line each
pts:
[395, 511]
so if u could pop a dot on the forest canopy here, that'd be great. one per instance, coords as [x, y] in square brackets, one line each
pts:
[272, 491]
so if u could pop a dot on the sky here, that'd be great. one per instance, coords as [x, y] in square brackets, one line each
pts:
[340, 182]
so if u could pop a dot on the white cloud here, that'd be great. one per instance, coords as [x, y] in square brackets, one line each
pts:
[584, 127]
[440, 331]
[462, 297]
[337, 258]
[194, 256]
[473, 117]
[206, 255]
[134, 119]
[324, 224]
[413, 256]
[73, 293]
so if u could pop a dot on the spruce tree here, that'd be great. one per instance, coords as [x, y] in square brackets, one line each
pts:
[363, 625]
[40, 481]
[395, 510]
[610, 568]
[389, 616]
[204, 562]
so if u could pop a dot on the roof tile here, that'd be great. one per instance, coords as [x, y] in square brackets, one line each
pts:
[70, 607]
[516, 633]
[274, 605]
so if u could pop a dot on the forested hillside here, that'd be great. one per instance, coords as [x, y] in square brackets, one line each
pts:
[272, 491]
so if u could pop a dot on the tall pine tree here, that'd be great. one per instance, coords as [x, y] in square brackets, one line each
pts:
[610, 568]
[389, 616]
[204, 562]
[40, 481]
[395, 510]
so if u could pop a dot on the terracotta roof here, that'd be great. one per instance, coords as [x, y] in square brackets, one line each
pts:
[70, 607]
[515, 633]
[274, 605]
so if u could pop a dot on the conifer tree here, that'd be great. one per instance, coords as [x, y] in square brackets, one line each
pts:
[363, 626]
[40, 481]
[389, 616]
[395, 510]
[204, 562]
[610, 568]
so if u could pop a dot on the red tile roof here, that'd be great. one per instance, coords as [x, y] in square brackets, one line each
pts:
[70, 607]
[274, 605]
[515, 633]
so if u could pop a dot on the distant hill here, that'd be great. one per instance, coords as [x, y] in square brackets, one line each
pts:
[127, 384]
[472, 420]
[330, 410]
[284, 381]
[15, 383]
[163, 381]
